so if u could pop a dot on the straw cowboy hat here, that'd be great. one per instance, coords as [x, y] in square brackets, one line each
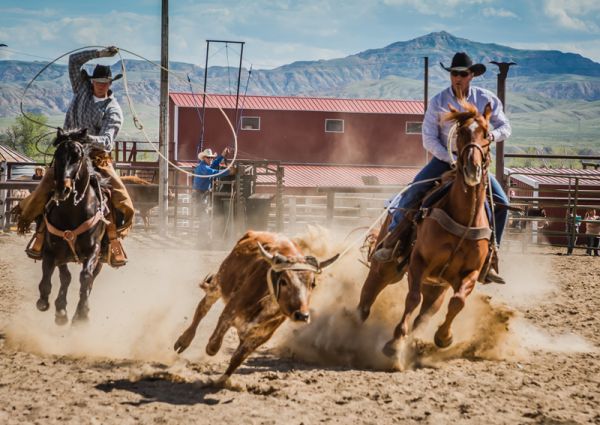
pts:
[207, 153]
[462, 62]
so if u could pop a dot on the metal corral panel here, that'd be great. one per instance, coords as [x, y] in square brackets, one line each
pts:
[292, 103]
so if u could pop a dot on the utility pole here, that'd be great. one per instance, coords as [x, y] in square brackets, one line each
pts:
[425, 95]
[163, 139]
[502, 74]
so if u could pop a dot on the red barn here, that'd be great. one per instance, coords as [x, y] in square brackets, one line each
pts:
[300, 130]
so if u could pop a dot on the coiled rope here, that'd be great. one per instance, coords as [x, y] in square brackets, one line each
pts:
[136, 121]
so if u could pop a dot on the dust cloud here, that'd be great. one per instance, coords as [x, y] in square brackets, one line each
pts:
[488, 327]
[136, 312]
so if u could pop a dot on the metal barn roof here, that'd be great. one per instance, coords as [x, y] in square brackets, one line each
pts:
[554, 176]
[10, 155]
[292, 103]
[325, 175]
[313, 176]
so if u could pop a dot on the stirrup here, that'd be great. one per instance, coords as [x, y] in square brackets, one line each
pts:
[35, 245]
[117, 257]
[387, 255]
[493, 277]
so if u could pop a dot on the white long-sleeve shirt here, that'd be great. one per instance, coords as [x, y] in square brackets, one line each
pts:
[435, 132]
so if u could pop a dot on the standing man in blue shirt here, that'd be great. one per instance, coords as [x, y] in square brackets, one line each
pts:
[435, 141]
[208, 166]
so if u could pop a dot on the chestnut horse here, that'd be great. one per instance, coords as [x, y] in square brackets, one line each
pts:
[453, 241]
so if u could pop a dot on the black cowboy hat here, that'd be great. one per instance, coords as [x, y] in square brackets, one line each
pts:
[103, 74]
[462, 62]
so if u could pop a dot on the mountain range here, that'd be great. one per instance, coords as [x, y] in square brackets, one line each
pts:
[542, 81]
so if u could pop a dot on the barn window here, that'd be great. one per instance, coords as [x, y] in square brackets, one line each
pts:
[250, 123]
[414, 127]
[334, 126]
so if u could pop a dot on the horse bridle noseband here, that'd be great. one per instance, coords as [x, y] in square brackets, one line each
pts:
[274, 287]
[87, 183]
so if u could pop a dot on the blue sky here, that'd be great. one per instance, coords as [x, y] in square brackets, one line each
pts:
[277, 32]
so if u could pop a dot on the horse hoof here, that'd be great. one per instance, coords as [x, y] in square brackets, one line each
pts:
[182, 343]
[389, 349]
[61, 318]
[79, 319]
[363, 314]
[42, 305]
[441, 343]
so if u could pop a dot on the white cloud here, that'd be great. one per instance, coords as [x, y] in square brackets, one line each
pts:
[19, 12]
[578, 15]
[443, 8]
[589, 49]
[500, 13]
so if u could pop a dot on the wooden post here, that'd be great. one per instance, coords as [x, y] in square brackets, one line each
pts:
[292, 213]
[279, 199]
[163, 140]
[330, 206]
[4, 219]
[502, 74]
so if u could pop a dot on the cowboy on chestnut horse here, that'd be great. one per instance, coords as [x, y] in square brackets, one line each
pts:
[436, 132]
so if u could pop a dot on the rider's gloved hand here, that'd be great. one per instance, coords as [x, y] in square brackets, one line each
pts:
[108, 52]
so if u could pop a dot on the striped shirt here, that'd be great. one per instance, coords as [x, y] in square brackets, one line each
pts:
[103, 119]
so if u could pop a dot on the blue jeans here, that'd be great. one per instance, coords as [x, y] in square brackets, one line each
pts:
[435, 168]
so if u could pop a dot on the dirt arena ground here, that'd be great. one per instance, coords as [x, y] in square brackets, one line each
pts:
[523, 353]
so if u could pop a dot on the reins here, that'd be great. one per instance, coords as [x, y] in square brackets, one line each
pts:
[70, 236]
[475, 199]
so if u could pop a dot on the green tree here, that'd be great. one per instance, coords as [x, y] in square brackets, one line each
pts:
[24, 134]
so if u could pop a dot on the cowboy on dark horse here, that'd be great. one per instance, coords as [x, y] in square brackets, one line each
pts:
[435, 140]
[95, 109]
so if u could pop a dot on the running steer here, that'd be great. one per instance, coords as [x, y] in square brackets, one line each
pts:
[264, 280]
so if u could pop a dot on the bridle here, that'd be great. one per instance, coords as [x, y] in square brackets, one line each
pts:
[278, 269]
[484, 180]
[76, 199]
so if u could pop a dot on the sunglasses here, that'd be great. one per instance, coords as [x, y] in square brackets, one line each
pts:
[463, 74]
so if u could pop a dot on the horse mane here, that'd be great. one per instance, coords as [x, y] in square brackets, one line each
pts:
[76, 135]
[461, 117]
[466, 116]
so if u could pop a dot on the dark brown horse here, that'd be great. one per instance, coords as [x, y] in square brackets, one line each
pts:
[75, 224]
[453, 240]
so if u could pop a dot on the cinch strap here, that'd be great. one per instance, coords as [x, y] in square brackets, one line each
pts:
[71, 235]
[472, 233]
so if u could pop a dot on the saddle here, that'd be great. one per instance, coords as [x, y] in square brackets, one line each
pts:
[112, 251]
[406, 231]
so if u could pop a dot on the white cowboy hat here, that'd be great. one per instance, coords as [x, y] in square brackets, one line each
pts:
[207, 153]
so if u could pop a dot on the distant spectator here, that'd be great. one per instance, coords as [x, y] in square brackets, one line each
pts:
[593, 231]
[38, 173]
[208, 166]
[572, 232]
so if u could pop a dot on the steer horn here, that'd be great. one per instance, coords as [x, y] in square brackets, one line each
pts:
[275, 260]
[324, 264]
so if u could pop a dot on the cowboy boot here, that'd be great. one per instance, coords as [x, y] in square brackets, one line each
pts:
[36, 243]
[493, 275]
[117, 256]
[391, 245]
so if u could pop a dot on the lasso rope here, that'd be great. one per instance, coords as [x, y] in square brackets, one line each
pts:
[136, 121]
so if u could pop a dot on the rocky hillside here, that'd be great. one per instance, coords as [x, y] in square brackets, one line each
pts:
[394, 71]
